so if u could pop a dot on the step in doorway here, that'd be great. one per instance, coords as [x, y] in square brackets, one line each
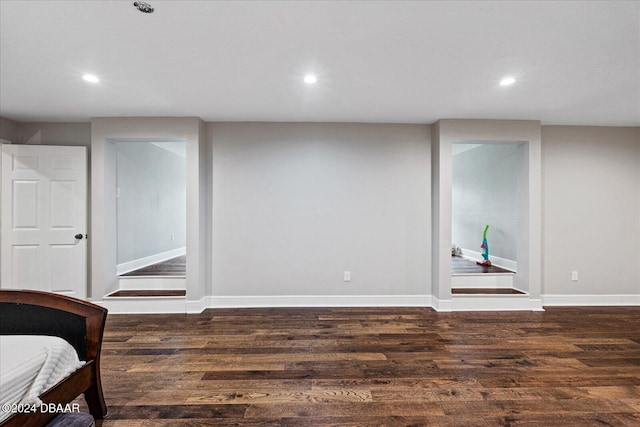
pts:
[156, 288]
[467, 274]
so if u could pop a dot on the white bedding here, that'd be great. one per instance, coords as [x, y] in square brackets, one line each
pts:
[30, 365]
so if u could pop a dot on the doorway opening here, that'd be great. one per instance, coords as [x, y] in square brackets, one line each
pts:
[151, 218]
[485, 191]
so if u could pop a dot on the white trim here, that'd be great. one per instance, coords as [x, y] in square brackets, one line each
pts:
[441, 305]
[497, 261]
[482, 280]
[490, 302]
[128, 266]
[120, 305]
[138, 283]
[592, 300]
[535, 304]
[319, 301]
[143, 305]
[263, 301]
[197, 306]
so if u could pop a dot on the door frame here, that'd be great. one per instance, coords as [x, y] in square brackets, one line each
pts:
[104, 132]
[528, 134]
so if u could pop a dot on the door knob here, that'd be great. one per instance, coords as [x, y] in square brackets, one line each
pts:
[79, 236]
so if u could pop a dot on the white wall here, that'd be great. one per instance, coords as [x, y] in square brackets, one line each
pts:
[484, 191]
[152, 200]
[296, 205]
[591, 178]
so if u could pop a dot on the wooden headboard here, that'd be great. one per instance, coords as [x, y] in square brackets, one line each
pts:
[81, 323]
[41, 313]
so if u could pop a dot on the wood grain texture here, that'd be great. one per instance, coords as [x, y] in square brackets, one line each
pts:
[374, 366]
[149, 293]
[486, 291]
[173, 267]
[460, 265]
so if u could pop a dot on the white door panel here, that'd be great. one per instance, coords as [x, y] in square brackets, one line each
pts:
[44, 190]
[25, 204]
[24, 266]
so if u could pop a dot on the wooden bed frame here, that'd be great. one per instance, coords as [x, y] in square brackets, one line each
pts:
[80, 323]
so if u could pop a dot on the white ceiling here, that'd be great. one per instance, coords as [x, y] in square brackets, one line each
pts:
[576, 62]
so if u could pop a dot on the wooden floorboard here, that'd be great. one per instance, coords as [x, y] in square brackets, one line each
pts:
[173, 267]
[149, 293]
[486, 291]
[373, 366]
[460, 265]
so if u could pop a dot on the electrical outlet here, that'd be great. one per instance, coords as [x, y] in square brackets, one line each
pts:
[347, 276]
[173, 236]
[574, 276]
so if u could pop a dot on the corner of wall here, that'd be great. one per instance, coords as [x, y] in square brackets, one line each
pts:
[9, 131]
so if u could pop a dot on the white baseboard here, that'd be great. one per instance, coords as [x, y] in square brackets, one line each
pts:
[126, 267]
[497, 261]
[490, 303]
[146, 305]
[197, 306]
[591, 300]
[317, 301]
[475, 303]
[535, 305]
[466, 303]
[442, 305]
[483, 280]
[152, 283]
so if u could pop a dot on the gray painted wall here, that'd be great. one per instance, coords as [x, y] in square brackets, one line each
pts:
[484, 187]
[591, 178]
[54, 134]
[296, 205]
[152, 202]
[9, 130]
[46, 133]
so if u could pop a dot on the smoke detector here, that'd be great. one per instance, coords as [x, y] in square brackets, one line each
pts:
[143, 7]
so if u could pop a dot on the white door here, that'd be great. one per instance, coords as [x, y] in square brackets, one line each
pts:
[44, 219]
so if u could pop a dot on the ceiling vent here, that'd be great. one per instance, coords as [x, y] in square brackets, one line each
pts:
[143, 7]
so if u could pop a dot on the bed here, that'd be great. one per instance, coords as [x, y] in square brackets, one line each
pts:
[29, 315]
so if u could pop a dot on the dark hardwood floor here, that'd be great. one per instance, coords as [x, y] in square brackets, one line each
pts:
[174, 267]
[486, 291]
[374, 366]
[149, 293]
[461, 265]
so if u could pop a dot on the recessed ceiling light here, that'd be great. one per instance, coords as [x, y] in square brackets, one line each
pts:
[310, 79]
[91, 78]
[507, 81]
